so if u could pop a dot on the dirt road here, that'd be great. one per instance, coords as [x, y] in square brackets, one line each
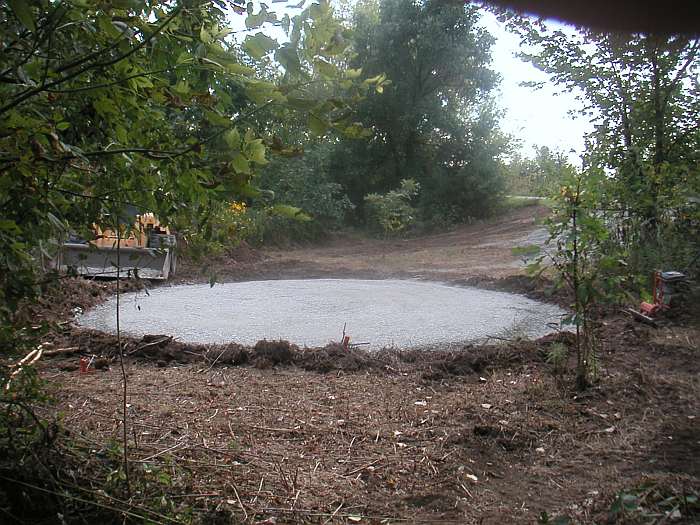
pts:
[475, 253]
[481, 250]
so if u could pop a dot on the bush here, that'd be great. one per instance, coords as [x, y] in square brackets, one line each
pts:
[462, 195]
[302, 183]
[392, 213]
[223, 227]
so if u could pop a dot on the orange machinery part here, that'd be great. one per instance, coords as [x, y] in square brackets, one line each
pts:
[651, 309]
[137, 237]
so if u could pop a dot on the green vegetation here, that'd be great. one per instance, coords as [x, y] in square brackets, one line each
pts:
[432, 118]
[653, 503]
[578, 234]
[539, 176]
[634, 207]
[392, 212]
[435, 122]
[643, 96]
[152, 106]
[303, 182]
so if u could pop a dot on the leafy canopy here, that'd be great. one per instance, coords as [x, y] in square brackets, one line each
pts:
[435, 121]
[152, 105]
[642, 93]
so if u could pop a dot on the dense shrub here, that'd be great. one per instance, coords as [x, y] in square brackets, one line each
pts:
[457, 196]
[302, 183]
[392, 213]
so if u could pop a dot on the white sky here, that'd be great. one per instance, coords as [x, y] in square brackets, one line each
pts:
[534, 117]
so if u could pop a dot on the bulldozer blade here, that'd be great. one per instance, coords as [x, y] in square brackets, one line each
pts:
[94, 261]
[642, 318]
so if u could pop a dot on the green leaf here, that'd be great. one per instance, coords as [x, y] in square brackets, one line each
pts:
[183, 58]
[375, 80]
[23, 13]
[303, 104]
[317, 125]
[261, 91]
[233, 138]
[105, 107]
[240, 164]
[182, 87]
[256, 151]
[259, 45]
[204, 35]
[325, 68]
[356, 131]
[289, 59]
[216, 119]
[107, 27]
[239, 69]
[290, 212]
[253, 21]
[61, 126]
[249, 191]
[353, 73]
[9, 226]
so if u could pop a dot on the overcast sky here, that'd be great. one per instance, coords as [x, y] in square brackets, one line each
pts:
[535, 117]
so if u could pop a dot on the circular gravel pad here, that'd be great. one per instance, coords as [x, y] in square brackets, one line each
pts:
[312, 312]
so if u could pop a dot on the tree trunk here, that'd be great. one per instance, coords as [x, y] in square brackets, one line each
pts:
[659, 124]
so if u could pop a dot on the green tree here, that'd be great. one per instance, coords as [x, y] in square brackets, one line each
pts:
[642, 94]
[391, 213]
[304, 183]
[147, 104]
[539, 175]
[434, 122]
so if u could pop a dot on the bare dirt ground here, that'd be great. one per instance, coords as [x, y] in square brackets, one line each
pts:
[477, 250]
[487, 435]
[480, 252]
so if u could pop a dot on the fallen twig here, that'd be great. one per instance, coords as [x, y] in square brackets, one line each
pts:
[152, 343]
[334, 513]
[363, 467]
[59, 351]
[235, 491]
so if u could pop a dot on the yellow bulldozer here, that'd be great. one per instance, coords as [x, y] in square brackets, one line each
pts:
[146, 251]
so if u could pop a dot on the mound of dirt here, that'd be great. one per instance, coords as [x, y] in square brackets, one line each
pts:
[335, 356]
[231, 354]
[164, 348]
[271, 353]
[472, 360]
[430, 365]
[565, 338]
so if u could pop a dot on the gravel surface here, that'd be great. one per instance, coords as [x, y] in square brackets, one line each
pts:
[312, 312]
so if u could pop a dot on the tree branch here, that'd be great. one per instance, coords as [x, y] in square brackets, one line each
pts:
[107, 84]
[147, 152]
[680, 73]
[43, 87]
